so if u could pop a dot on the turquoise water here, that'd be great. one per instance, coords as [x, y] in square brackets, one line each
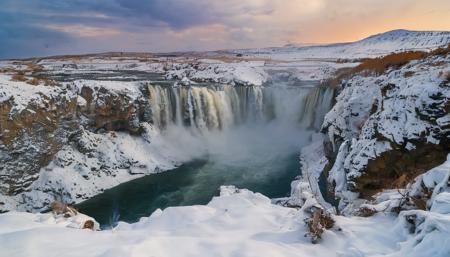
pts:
[190, 184]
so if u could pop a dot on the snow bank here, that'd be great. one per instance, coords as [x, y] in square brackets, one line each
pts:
[99, 64]
[237, 223]
[243, 73]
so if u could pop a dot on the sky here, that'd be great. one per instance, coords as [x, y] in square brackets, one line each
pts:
[50, 27]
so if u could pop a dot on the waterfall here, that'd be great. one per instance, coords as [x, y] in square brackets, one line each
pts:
[218, 107]
[315, 105]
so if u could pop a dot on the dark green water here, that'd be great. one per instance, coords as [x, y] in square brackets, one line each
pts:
[193, 183]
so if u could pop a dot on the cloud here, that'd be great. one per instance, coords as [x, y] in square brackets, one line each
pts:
[40, 27]
[83, 30]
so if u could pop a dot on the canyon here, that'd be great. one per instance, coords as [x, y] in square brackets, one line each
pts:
[371, 144]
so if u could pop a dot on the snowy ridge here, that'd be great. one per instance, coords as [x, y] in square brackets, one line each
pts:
[373, 46]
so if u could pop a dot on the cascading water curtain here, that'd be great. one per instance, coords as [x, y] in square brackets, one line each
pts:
[220, 107]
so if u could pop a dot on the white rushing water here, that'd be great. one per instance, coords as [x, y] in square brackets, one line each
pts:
[217, 107]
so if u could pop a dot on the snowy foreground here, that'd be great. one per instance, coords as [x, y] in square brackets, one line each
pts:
[238, 223]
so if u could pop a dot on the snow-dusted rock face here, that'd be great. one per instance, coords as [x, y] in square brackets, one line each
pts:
[44, 125]
[35, 122]
[390, 128]
[429, 191]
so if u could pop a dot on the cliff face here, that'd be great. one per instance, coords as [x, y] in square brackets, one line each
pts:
[387, 129]
[44, 127]
[34, 126]
[114, 107]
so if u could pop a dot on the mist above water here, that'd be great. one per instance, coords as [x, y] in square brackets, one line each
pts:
[251, 141]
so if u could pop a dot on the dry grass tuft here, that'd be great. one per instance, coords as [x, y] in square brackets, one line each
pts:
[366, 212]
[33, 81]
[318, 223]
[42, 80]
[379, 65]
[441, 51]
[439, 63]
[33, 67]
[18, 77]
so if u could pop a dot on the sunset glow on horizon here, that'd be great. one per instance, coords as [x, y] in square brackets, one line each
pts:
[36, 28]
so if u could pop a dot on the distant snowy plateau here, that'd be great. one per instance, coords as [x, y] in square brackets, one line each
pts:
[74, 126]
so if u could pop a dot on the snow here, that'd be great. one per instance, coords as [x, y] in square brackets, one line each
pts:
[113, 158]
[441, 203]
[237, 223]
[431, 234]
[245, 73]
[374, 46]
[306, 187]
[374, 113]
[22, 94]
[106, 64]
[130, 89]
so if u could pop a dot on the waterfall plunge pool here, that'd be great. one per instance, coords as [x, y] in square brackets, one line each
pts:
[190, 184]
[239, 146]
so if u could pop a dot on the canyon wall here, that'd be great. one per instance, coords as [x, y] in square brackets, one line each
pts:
[72, 140]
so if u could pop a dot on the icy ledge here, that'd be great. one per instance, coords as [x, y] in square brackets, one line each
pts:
[237, 223]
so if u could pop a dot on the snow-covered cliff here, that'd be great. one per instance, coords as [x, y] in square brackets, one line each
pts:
[390, 127]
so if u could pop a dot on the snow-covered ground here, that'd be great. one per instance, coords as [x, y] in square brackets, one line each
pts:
[238, 223]
[22, 94]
